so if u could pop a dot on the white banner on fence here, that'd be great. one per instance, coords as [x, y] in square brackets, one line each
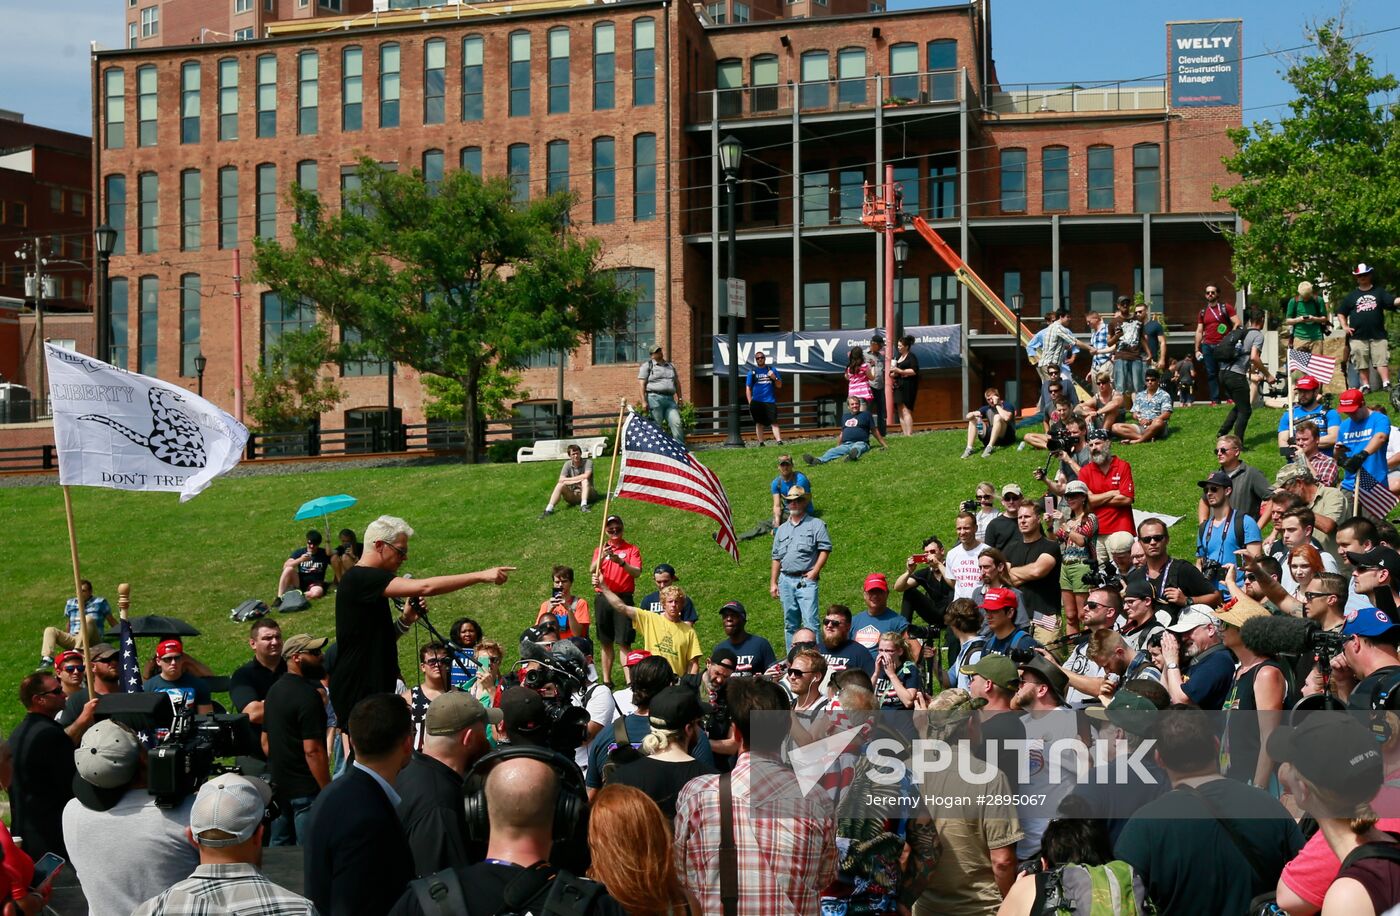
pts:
[124, 431]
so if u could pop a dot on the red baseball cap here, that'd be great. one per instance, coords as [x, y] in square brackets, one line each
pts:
[71, 655]
[876, 581]
[635, 656]
[169, 647]
[1306, 383]
[997, 599]
[1350, 400]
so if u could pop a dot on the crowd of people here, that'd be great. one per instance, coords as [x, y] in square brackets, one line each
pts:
[665, 775]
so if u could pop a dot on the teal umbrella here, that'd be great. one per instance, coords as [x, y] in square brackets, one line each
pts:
[323, 506]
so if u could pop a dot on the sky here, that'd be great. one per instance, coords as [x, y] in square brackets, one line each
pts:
[45, 74]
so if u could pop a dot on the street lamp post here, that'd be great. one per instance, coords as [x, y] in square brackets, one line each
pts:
[730, 152]
[1017, 300]
[200, 361]
[105, 239]
[901, 254]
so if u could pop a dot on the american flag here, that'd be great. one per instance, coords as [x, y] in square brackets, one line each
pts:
[1318, 366]
[131, 662]
[1375, 496]
[658, 469]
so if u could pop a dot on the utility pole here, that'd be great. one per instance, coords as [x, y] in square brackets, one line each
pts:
[35, 248]
[238, 335]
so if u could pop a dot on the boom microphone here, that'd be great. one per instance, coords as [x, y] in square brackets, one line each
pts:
[1273, 636]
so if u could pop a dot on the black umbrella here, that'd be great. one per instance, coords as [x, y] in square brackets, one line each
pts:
[161, 626]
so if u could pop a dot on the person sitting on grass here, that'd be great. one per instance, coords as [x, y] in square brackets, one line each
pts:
[856, 428]
[305, 569]
[1107, 404]
[575, 483]
[347, 553]
[993, 424]
[1061, 412]
[1152, 408]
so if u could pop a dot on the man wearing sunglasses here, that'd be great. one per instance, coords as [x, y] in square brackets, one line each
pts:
[294, 736]
[172, 678]
[1249, 487]
[1214, 321]
[1174, 584]
[42, 768]
[1002, 530]
[1226, 531]
[365, 634]
[840, 650]
[1375, 575]
[1369, 658]
[77, 715]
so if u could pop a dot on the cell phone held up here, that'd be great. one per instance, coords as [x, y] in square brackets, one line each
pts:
[46, 869]
[556, 595]
[919, 558]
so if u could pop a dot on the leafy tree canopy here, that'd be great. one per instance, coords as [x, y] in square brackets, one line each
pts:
[1319, 191]
[452, 278]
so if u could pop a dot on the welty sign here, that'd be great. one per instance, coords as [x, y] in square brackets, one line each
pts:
[815, 352]
[1203, 63]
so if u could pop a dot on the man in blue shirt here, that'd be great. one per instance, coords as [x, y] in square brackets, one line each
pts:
[1225, 530]
[1363, 434]
[787, 479]
[877, 618]
[760, 385]
[856, 426]
[1196, 637]
[1306, 406]
[801, 547]
[96, 615]
[1153, 335]
[842, 652]
[665, 575]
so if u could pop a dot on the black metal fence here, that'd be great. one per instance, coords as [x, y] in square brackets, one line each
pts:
[499, 438]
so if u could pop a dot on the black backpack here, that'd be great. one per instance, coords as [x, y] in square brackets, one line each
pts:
[293, 600]
[251, 609]
[1228, 350]
[530, 892]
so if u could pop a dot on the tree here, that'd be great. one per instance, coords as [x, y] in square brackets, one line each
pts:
[1320, 191]
[453, 278]
[288, 389]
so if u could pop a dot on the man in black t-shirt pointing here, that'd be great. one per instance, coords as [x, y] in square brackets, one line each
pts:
[366, 662]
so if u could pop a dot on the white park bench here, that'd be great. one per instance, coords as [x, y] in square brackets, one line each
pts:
[558, 449]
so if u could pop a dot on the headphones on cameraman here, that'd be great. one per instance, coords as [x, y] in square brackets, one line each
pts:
[569, 802]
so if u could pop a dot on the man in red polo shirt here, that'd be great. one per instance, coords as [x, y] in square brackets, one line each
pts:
[1110, 483]
[620, 564]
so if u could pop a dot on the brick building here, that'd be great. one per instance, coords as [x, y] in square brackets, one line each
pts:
[625, 103]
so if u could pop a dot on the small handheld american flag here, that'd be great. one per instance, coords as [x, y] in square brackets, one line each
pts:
[658, 469]
[1320, 367]
[1375, 496]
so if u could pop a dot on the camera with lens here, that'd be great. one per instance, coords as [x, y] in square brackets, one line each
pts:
[1098, 577]
[968, 505]
[557, 672]
[919, 632]
[1021, 656]
[1324, 645]
[1059, 441]
[189, 746]
[1213, 570]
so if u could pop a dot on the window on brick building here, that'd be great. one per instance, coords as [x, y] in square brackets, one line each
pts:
[114, 193]
[352, 89]
[816, 198]
[308, 93]
[242, 6]
[350, 185]
[148, 326]
[644, 61]
[942, 67]
[1013, 180]
[904, 71]
[1100, 178]
[1099, 297]
[1054, 178]
[718, 12]
[729, 87]
[816, 74]
[280, 318]
[627, 344]
[228, 99]
[243, 34]
[145, 106]
[558, 71]
[850, 74]
[604, 180]
[150, 22]
[644, 177]
[742, 13]
[266, 96]
[519, 74]
[1147, 178]
[604, 66]
[364, 365]
[1156, 295]
[1047, 290]
[191, 75]
[389, 85]
[114, 92]
[556, 157]
[471, 160]
[816, 306]
[473, 58]
[853, 306]
[906, 179]
[228, 207]
[432, 169]
[518, 171]
[308, 176]
[117, 322]
[906, 300]
[191, 209]
[267, 201]
[851, 194]
[132, 35]
[147, 211]
[943, 299]
[190, 294]
[763, 77]
[434, 81]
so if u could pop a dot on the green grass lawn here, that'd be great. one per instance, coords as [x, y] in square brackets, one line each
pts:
[198, 560]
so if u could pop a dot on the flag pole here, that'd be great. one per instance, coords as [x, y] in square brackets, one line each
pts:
[1356, 495]
[1288, 372]
[612, 475]
[78, 589]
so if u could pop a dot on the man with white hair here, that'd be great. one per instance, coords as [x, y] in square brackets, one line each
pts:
[226, 826]
[366, 660]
